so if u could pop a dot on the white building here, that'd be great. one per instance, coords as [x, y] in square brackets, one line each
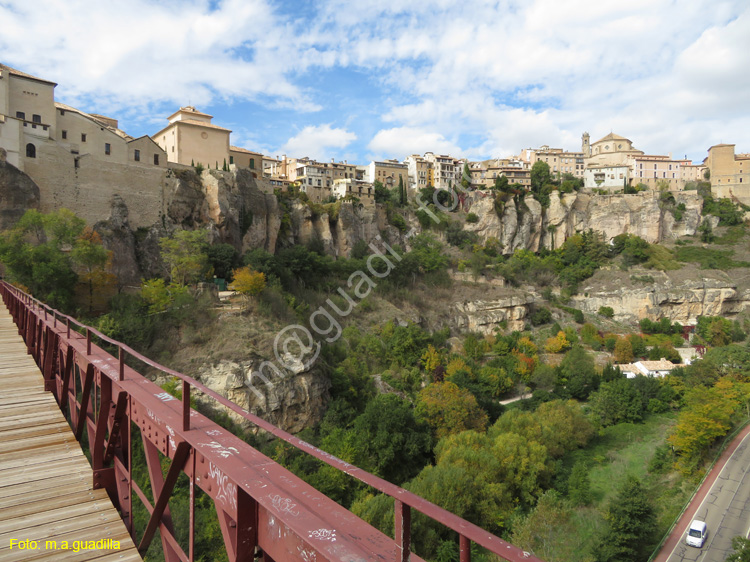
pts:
[610, 177]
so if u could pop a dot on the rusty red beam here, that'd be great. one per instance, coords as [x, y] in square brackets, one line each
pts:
[289, 514]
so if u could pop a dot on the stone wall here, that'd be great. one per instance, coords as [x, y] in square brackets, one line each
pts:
[86, 185]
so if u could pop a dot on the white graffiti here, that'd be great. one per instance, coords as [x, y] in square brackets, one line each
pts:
[284, 505]
[227, 490]
[307, 555]
[323, 535]
[165, 396]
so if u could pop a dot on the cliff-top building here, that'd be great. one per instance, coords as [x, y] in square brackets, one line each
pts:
[191, 138]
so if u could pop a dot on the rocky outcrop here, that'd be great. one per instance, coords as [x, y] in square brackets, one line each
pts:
[18, 193]
[292, 403]
[484, 316]
[522, 223]
[672, 295]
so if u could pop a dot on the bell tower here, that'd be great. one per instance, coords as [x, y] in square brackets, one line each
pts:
[586, 145]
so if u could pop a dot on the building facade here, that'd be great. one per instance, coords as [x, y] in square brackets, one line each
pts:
[191, 139]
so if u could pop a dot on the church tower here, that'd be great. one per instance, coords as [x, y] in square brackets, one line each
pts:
[586, 145]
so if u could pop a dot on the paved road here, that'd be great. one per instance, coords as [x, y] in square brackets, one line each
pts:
[725, 507]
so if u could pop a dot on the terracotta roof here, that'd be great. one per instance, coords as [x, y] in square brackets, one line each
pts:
[110, 128]
[189, 109]
[200, 124]
[16, 72]
[244, 150]
[661, 365]
[612, 137]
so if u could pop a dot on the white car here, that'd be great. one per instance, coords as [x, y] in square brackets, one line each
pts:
[696, 534]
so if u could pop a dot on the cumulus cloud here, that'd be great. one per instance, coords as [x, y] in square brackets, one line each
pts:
[488, 77]
[399, 142]
[141, 52]
[318, 142]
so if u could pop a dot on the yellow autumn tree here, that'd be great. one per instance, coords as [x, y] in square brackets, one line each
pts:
[557, 344]
[248, 283]
[431, 359]
[449, 409]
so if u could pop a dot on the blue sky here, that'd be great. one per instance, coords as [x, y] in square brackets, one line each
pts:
[384, 78]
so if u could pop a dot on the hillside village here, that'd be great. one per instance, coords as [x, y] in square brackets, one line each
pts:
[80, 160]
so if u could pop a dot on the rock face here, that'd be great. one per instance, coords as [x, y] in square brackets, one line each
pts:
[524, 224]
[291, 403]
[485, 316]
[677, 298]
[18, 193]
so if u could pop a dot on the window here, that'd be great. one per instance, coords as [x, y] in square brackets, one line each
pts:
[20, 115]
[252, 163]
[231, 160]
[83, 137]
[107, 148]
[137, 155]
[156, 159]
[65, 134]
[30, 151]
[36, 118]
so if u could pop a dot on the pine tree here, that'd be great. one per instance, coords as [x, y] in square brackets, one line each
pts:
[631, 520]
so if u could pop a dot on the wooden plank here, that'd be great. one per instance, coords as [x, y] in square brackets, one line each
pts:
[46, 483]
[49, 486]
[49, 516]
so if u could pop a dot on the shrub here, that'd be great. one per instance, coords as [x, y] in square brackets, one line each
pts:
[606, 311]
[472, 218]
[541, 316]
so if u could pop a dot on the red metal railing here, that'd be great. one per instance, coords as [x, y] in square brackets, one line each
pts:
[261, 506]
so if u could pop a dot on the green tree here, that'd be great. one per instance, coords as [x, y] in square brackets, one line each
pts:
[615, 402]
[579, 485]
[548, 531]
[540, 176]
[186, 256]
[501, 183]
[37, 251]
[390, 440]
[577, 373]
[466, 176]
[740, 550]
[223, 258]
[380, 192]
[630, 517]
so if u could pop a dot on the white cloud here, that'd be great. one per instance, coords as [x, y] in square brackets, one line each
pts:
[140, 52]
[400, 142]
[317, 142]
[491, 77]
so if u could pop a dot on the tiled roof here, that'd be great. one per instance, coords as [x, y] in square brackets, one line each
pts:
[201, 124]
[244, 150]
[661, 365]
[16, 72]
[612, 137]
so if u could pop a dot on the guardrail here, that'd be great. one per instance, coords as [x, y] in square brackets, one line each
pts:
[727, 440]
[263, 509]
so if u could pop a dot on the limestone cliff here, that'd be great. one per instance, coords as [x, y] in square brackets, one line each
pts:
[525, 224]
[291, 403]
[681, 295]
[18, 193]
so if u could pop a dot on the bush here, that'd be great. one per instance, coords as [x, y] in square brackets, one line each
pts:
[472, 218]
[606, 311]
[541, 316]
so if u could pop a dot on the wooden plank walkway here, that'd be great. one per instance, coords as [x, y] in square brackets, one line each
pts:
[46, 492]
